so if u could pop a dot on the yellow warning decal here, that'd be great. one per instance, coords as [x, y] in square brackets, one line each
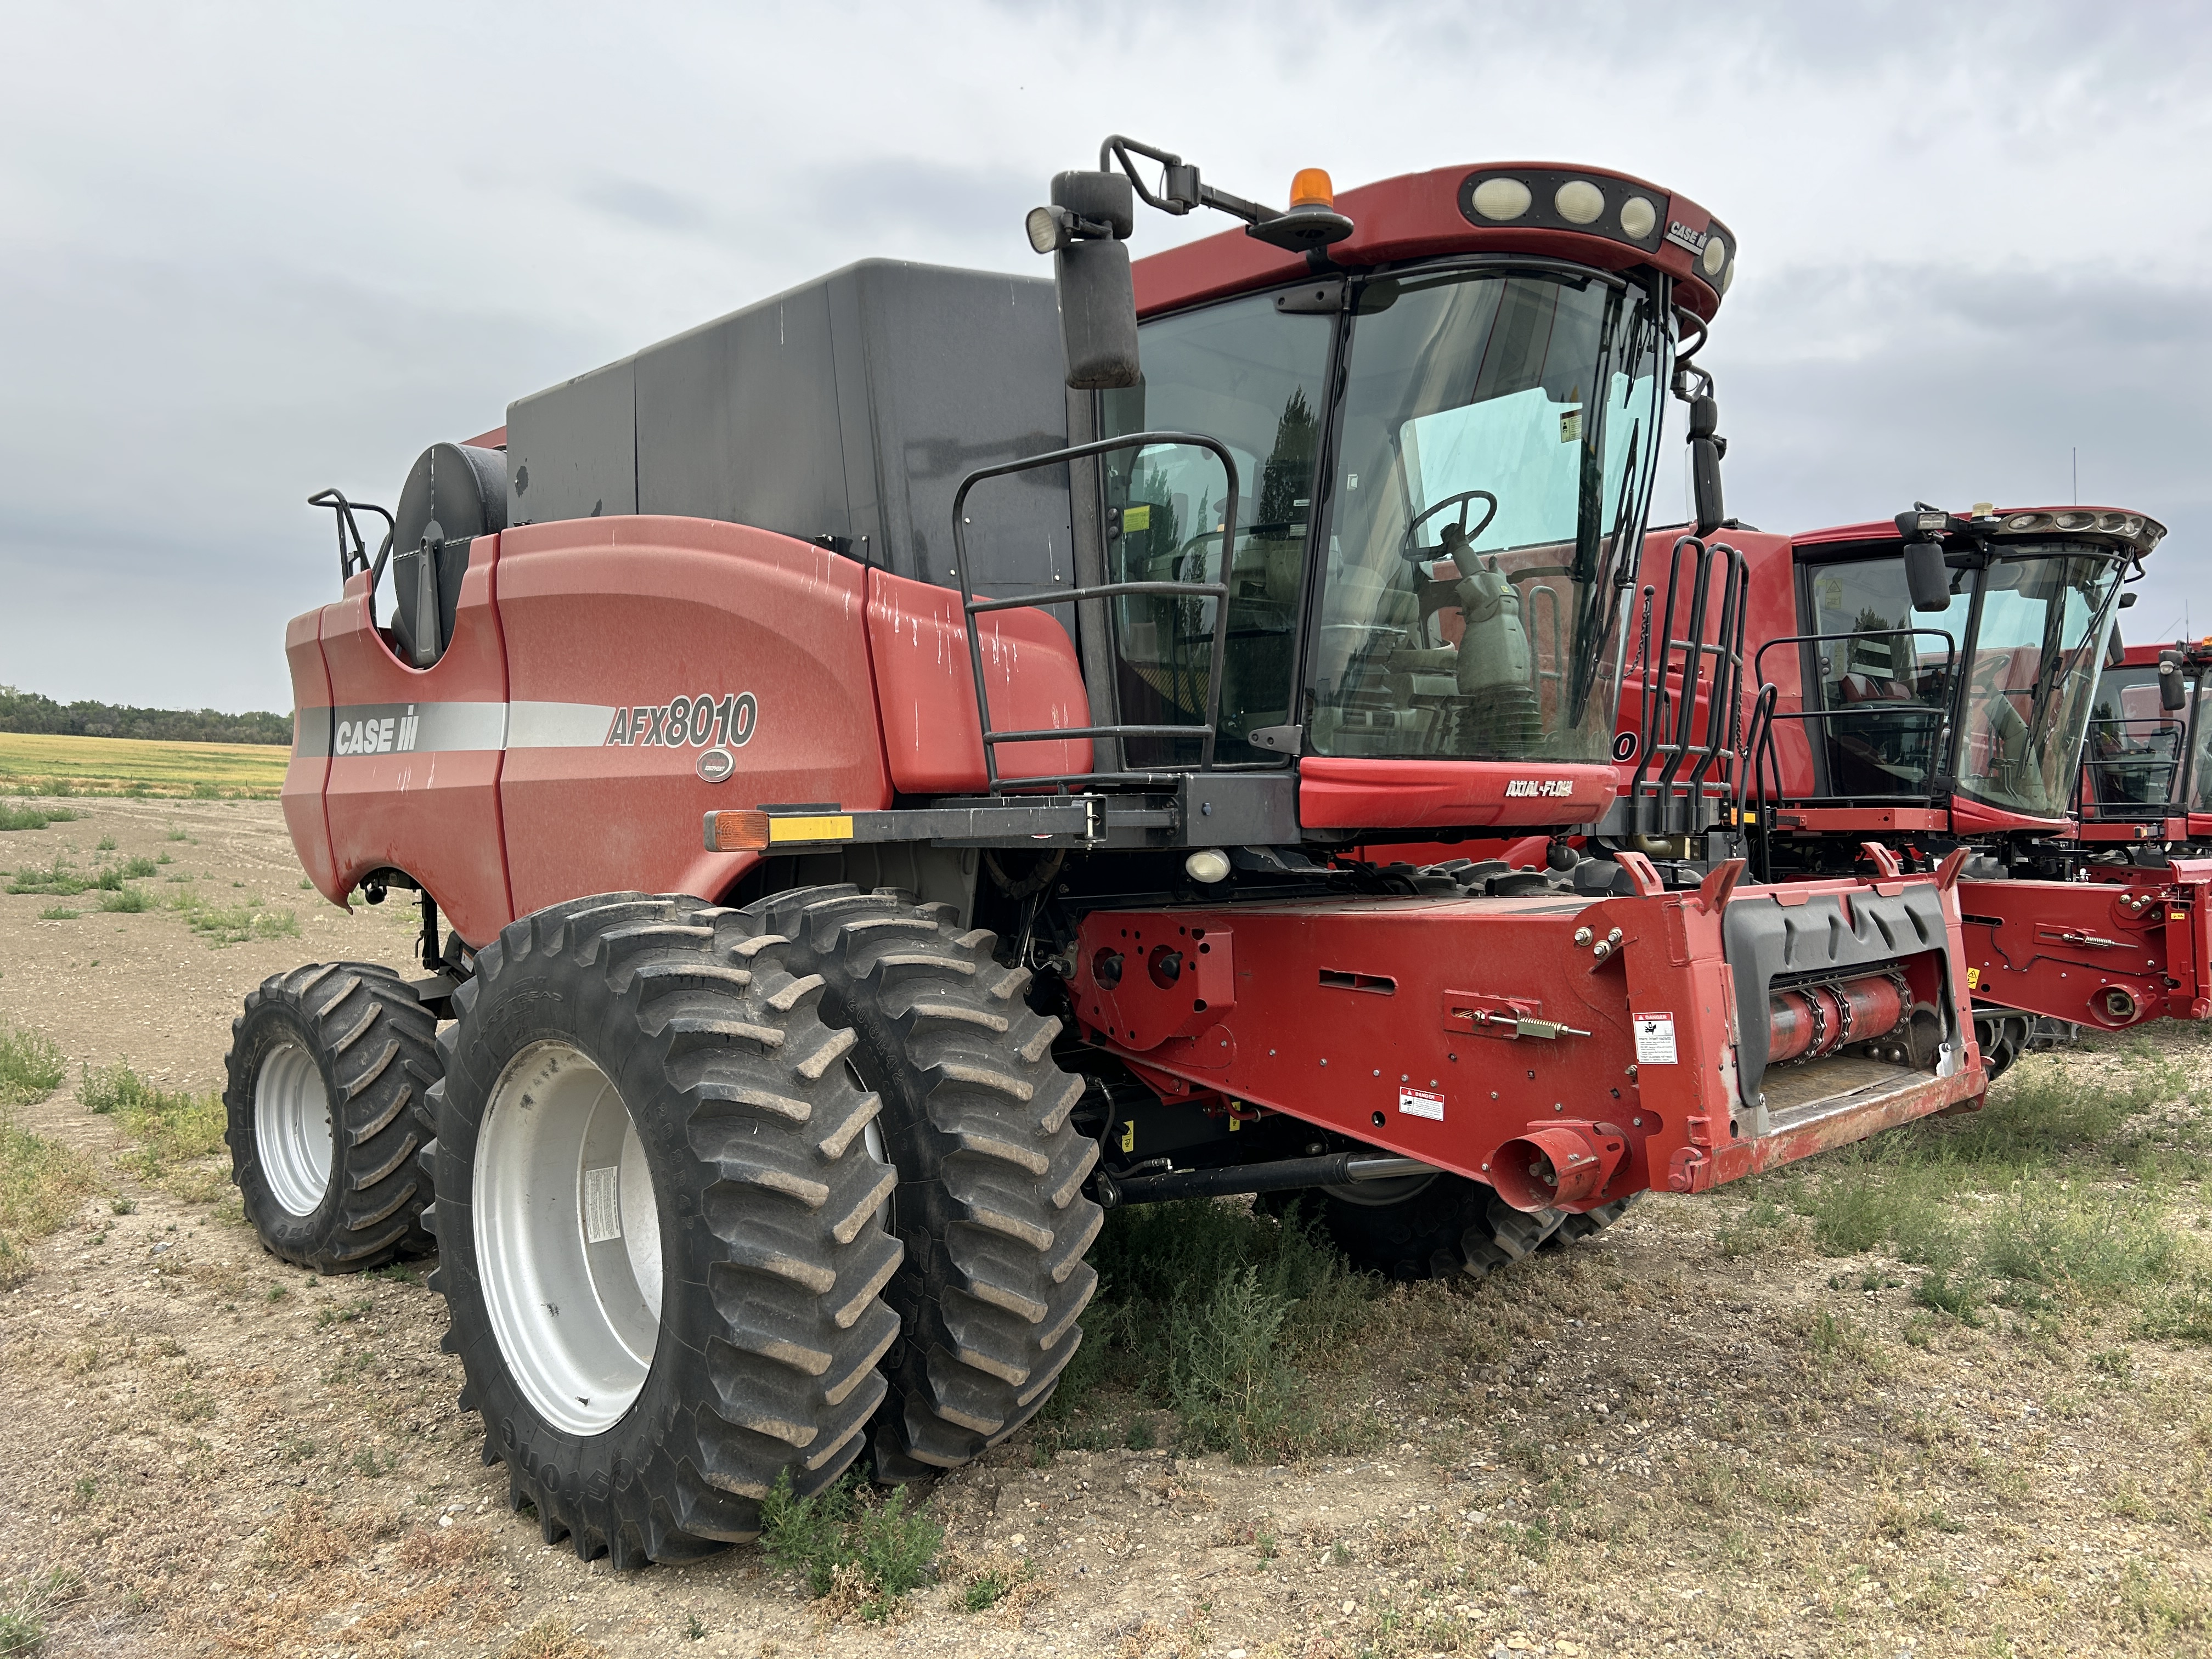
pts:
[1128, 1135]
[1973, 979]
[822, 828]
[1137, 518]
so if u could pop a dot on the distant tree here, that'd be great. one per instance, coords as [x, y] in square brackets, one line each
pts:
[27, 711]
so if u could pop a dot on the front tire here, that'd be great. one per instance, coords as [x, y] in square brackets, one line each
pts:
[1446, 1226]
[657, 1215]
[327, 1069]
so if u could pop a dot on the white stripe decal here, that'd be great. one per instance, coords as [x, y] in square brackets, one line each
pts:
[557, 725]
[414, 728]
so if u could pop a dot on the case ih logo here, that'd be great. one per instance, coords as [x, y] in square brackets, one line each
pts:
[1539, 788]
[1683, 236]
[688, 722]
[394, 735]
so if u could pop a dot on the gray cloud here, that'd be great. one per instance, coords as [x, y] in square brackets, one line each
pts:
[245, 253]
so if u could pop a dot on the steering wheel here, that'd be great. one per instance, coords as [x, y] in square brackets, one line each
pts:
[1412, 553]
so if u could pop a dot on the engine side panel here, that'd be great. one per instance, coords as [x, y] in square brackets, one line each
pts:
[926, 688]
[416, 753]
[643, 652]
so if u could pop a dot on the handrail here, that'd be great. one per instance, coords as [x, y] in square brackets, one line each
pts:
[1218, 591]
[2170, 726]
[1765, 763]
[1669, 728]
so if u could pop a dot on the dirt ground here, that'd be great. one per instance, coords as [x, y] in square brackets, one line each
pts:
[1643, 1445]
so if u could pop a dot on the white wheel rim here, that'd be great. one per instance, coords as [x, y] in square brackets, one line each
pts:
[567, 1237]
[292, 1128]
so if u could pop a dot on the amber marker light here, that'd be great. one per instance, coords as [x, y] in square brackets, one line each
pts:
[1312, 188]
[736, 832]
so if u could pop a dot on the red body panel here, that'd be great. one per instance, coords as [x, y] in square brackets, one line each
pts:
[926, 688]
[1328, 1010]
[1415, 215]
[309, 770]
[433, 812]
[2109, 953]
[628, 615]
[1338, 793]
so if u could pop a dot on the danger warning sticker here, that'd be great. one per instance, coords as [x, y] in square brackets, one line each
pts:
[1419, 1103]
[1654, 1040]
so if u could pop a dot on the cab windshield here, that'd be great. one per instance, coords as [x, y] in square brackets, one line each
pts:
[1496, 448]
[2023, 634]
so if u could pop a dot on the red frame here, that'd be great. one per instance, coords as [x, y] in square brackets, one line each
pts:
[1327, 1009]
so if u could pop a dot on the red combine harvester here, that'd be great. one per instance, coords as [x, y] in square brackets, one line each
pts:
[1897, 721]
[2146, 785]
[1028, 669]
[1926, 684]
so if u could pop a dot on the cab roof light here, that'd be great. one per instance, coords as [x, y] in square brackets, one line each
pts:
[1310, 187]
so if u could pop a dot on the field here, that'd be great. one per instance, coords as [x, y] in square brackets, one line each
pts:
[1942, 1395]
[35, 762]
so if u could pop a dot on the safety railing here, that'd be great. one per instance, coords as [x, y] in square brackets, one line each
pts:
[1666, 800]
[1216, 590]
[2130, 769]
[1925, 728]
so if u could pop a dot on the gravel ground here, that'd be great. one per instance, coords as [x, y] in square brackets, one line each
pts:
[1644, 1445]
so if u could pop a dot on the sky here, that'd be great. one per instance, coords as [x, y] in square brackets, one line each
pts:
[250, 251]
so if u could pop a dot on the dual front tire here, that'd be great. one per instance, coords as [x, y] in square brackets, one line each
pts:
[726, 1198]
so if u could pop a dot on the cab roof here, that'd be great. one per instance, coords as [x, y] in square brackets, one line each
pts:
[1420, 216]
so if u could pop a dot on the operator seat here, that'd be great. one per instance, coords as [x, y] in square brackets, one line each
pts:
[454, 494]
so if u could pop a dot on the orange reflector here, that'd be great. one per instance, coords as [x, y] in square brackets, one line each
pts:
[736, 832]
[1312, 188]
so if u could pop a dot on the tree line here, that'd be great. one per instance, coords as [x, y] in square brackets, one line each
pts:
[27, 711]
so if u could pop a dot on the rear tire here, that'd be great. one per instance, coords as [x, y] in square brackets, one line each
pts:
[327, 1074]
[1448, 1226]
[657, 1215]
[990, 1204]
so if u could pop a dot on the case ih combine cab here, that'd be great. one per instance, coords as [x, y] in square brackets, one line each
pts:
[873, 770]
[1921, 686]
[2146, 787]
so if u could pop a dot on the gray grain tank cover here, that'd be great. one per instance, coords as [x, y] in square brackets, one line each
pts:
[845, 411]
[1764, 940]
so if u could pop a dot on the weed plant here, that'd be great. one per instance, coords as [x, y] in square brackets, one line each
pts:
[173, 1128]
[1224, 1315]
[866, 1553]
[33, 817]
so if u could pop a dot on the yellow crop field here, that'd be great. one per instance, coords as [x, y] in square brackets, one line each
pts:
[41, 763]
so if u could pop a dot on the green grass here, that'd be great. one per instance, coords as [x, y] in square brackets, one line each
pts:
[42, 1183]
[173, 1128]
[2058, 1193]
[232, 924]
[59, 878]
[1223, 1316]
[31, 1067]
[33, 817]
[841, 1543]
[127, 901]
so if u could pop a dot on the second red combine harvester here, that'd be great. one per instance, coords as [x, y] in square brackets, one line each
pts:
[1922, 686]
[1029, 666]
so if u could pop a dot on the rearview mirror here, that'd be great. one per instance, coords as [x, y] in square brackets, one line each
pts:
[1705, 452]
[1927, 576]
[2172, 695]
[1097, 313]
